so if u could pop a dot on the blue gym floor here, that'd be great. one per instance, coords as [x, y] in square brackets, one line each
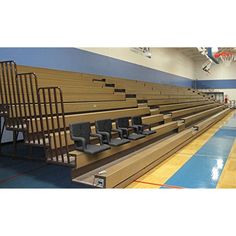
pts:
[204, 168]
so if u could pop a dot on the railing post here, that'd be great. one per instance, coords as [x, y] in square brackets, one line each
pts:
[52, 120]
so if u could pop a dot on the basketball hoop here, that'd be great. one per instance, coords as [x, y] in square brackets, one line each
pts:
[225, 57]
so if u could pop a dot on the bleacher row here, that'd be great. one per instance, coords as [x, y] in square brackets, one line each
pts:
[45, 104]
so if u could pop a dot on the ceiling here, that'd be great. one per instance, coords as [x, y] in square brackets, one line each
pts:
[193, 53]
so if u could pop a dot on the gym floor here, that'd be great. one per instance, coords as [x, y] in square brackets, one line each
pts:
[207, 162]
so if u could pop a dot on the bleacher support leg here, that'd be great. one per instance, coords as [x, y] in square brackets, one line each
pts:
[15, 136]
[1, 132]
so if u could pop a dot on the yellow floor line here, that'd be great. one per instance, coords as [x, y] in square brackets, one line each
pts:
[169, 167]
[228, 176]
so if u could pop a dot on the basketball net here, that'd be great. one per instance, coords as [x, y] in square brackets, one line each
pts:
[225, 57]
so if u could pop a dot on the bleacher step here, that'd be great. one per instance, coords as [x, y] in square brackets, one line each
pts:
[142, 105]
[167, 118]
[85, 163]
[155, 111]
[122, 171]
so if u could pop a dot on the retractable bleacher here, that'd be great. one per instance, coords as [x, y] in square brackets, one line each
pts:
[45, 103]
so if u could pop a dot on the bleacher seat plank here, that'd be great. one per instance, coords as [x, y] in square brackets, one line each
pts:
[204, 124]
[155, 111]
[165, 108]
[153, 119]
[93, 97]
[196, 117]
[80, 107]
[158, 102]
[93, 116]
[142, 104]
[188, 111]
[167, 118]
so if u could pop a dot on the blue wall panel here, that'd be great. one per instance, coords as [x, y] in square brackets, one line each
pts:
[77, 60]
[216, 84]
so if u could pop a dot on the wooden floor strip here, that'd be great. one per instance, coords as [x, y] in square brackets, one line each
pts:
[160, 185]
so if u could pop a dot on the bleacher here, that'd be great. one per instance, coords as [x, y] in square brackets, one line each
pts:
[43, 103]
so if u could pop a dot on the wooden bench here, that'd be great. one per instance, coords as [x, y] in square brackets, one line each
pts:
[201, 115]
[89, 117]
[153, 119]
[154, 96]
[165, 108]
[87, 97]
[80, 107]
[204, 124]
[188, 111]
[158, 102]
[155, 111]
[93, 97]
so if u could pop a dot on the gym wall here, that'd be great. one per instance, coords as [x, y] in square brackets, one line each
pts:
[167, 65]
[168, 60]
[222, 78]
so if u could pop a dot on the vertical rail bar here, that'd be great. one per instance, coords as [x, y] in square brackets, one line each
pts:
[47, 130]
[1, 86]
[34, 99]
[19, 101]
[23, 118]
[29, 113]
[52, 123]
[2, 126]
[6, 102]
[13, 73]
[64, 124]
[58, 123]
[10, 86]
[42, 131]
[22, 95]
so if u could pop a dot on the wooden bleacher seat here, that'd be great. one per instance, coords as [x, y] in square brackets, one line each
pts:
[212, 119]
[155, 111]
[168, 108]
[201, 115]
[158, 102]
[184, 112]
[153, 119]
[81, 107]
[94, 116]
